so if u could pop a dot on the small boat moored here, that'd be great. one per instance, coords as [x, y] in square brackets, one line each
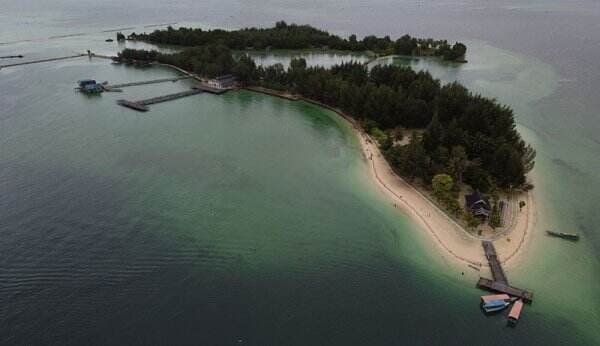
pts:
[491, 297]
[515, 313]
[494, 305]
[569, 236]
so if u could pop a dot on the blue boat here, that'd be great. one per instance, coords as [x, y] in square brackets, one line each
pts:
[495, 305]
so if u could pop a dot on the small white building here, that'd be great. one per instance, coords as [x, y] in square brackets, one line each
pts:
[222, 82]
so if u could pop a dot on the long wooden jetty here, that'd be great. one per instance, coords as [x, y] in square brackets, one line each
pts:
[42, 60]
[495, 266]
[169, 97]
[142, 105]
[500, 282]
[154, 81]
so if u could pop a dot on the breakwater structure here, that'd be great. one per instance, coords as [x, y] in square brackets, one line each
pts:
[499, 283]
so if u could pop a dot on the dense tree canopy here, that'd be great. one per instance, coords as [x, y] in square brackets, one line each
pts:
[293, 36]
[465, 136]
[210, 60]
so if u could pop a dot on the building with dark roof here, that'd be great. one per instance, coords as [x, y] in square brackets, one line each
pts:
[478, 204]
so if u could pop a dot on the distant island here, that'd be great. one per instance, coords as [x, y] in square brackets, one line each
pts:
[292, 36]
[460, 148]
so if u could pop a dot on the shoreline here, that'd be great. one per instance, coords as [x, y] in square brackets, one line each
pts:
[456, 245]
[452, 240]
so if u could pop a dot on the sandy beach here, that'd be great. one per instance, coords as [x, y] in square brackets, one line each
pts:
[457, 245]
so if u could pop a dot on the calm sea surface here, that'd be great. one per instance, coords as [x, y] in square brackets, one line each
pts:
[248, 220]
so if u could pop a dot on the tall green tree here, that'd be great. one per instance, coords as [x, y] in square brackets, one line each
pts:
[442, 185]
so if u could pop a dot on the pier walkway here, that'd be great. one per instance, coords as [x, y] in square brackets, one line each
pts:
[495, 267]
[142, 105]
[500, 287]
[42, 60]
[500, 282]
[154, 81]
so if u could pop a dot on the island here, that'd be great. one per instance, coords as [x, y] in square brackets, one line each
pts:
[452, 158]
[293, 36]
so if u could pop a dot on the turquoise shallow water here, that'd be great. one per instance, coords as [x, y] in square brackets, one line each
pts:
[216, 218]
[243, 218]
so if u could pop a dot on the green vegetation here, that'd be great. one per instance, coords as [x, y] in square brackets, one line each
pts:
[443, 189]
[210, 61]
[120, 36]
[471, 220]
[292, 36]
[464, 136]
[442, 185]
[379, 135]
[495, 217]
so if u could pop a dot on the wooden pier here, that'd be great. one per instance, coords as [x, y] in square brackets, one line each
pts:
[154, 81]
[42, 60]
[495, 267]
[500, 282]
[142, 105]
[500, 287]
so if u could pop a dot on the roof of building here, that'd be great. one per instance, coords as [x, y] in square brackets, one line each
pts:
[225, 76]
[91, 87]
[475, 198]
[226, 82]
[86, 81]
